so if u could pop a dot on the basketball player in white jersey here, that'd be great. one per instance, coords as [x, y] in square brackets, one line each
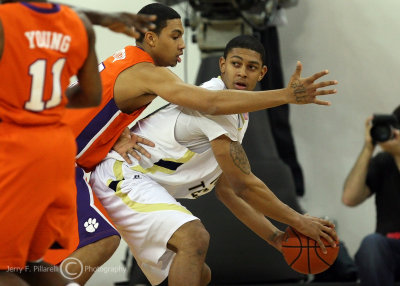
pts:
[193, 153]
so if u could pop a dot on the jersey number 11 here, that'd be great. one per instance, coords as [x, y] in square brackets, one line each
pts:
[37, 71]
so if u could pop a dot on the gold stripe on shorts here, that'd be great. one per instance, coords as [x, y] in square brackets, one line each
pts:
[139, 207]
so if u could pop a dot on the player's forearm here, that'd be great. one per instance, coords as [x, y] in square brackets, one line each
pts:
[354, 191]
[260, 197]
[234, 101]
[222, 101]
[250, 217]
[95, 17]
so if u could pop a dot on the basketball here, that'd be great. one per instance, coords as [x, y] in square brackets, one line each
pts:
[304, 255]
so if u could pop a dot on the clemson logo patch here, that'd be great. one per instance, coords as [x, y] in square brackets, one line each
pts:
[120, 55]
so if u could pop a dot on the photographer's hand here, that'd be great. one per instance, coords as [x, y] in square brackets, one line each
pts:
[369, 142]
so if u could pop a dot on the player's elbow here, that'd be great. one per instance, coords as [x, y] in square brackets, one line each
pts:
[242, 189]
[82, 97]
[211, 105]
[216, 105]
[222, 193]
[92, 97]
[95, 97]
[212, 110]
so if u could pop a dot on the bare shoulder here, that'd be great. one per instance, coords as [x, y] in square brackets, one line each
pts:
[132, 84]
[147, 72]
[137, 73]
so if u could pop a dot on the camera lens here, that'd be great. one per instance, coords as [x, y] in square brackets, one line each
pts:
[381, 132]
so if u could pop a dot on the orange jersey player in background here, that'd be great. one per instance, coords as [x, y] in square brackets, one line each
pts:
[42, 45]
[94, 130]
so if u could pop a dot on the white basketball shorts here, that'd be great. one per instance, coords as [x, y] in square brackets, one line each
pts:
[144, 213]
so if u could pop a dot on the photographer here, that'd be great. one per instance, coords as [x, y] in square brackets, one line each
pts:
[378, 258]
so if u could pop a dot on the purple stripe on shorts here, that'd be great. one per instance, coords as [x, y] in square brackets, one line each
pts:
[91, 225]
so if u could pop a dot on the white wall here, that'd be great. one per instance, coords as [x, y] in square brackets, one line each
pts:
[357, 40]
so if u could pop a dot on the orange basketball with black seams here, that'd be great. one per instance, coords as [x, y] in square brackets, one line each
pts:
[304, 255]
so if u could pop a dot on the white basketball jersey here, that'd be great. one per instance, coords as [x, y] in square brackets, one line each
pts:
[182, 172]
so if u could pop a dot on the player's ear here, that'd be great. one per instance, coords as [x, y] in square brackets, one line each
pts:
[222, 64]
[264, 70]
[150, 38]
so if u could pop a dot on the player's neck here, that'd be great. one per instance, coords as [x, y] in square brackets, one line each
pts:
[144, 48]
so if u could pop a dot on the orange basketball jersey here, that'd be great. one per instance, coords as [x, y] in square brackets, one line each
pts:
[97, 129]
[49, 53]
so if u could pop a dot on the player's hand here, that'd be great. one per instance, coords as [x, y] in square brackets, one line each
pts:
[305, 90]
[128, 144]
[317, 228]
[128, 23]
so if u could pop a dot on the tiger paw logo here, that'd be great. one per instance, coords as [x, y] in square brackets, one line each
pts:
[91, 225]
[119, 55]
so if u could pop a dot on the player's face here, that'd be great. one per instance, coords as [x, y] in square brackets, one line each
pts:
[169, 46]
[242, 69]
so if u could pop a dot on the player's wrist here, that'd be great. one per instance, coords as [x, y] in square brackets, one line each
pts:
[288, 95]
[297, 221]
[274, 237]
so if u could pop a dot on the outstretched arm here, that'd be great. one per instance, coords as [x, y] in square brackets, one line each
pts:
[121, 22]
[146, 78]
[233, 161]
[252, 218]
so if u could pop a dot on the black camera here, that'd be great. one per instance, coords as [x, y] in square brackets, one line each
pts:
[382, 127]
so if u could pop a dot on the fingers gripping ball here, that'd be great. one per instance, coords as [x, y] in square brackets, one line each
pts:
[304, 255]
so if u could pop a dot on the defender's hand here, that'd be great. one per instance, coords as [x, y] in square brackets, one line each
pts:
[128, 23]
[304, 90]
[128, 144]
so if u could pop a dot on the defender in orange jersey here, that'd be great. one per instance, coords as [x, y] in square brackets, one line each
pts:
[42, 46]
[131, 79]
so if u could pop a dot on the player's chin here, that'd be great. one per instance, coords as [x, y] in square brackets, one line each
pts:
[173, 63]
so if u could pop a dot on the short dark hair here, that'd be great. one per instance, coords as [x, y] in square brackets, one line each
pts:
[246, 42]
[163, 13]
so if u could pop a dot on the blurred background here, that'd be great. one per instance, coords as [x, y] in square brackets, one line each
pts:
[358, 42]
